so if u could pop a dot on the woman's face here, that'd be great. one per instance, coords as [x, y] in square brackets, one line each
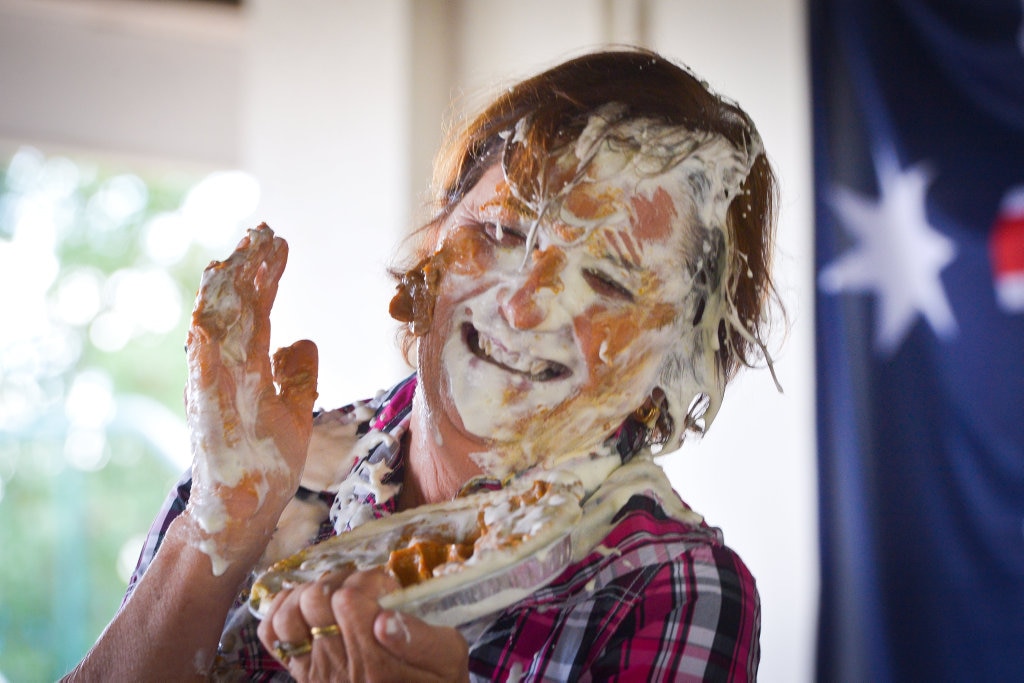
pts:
[545, 353]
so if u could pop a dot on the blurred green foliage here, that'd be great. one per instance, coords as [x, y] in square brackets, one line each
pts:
[67, 520]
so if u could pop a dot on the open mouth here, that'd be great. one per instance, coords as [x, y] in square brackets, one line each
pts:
[538, 370]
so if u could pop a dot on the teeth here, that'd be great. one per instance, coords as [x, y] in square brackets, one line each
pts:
[538, 367]
[496, 352]
[538, 370]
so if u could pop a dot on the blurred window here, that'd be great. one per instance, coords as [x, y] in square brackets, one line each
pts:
[98, 270]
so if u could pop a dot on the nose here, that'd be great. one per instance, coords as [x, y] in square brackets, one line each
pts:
[529, 304]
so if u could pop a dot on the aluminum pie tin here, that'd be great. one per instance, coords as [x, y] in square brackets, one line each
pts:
[476, 596]
[491, 580]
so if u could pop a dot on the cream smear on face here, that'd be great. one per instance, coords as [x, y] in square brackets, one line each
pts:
[543, 354]
[711, 171]
[222, 400]
[540, 359]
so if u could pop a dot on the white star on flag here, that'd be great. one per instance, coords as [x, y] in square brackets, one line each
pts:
[898, 255]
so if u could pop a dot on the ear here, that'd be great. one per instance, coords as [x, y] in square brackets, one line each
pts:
[415, 293]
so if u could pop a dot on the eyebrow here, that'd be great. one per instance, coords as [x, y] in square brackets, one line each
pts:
[508, 206]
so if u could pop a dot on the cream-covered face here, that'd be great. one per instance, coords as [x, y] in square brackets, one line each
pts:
[543, 354]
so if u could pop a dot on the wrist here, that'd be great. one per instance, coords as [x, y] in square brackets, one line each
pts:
[234, 547]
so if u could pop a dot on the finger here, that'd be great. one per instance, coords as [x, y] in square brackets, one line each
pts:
[355, 607]
[359, 596]
[285, 634]
[264, 286]
[357, 612]
[252, 250]
[268, 277]
[315, 599]
[354, 612]
[208, 382]
[265, 629]
[373, 583]
[258, 286]
[329, 654]
[287, 622]
[240, 268]
[227, 290]
[295, 371]
[215, 313]
[417, 643]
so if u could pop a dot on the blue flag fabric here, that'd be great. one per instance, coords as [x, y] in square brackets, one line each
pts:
[919, 202]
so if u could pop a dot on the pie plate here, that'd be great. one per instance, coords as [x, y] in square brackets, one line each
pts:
[524, 546]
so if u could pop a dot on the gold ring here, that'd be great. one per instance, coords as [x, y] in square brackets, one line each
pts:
[321, 631]
[285, 650]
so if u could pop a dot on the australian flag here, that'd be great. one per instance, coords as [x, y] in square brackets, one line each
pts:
[919, 203]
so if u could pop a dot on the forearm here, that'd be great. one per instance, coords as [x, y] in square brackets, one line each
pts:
[250, 422]
[170, 627]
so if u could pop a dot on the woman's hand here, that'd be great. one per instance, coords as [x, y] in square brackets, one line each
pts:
[350, 638]
[249, 439]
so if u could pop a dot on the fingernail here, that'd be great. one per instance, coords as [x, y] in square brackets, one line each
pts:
[394, 626]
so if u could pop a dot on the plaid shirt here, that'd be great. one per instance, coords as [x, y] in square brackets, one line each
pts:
[660, 600]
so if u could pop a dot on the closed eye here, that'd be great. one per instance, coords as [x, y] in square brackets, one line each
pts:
[605, 285]
[503, 235]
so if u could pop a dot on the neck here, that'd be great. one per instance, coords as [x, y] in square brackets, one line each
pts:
[438, 461]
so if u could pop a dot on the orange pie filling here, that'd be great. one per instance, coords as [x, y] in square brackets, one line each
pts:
[419, 556]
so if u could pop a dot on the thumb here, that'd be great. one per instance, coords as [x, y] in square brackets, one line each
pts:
[439, 649]
[295, 371]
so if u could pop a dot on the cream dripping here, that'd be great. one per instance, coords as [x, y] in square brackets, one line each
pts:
[502, 376]
[225, 444]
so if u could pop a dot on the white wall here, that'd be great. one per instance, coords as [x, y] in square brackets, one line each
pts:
[336, 106]
[326, 134]
[754, 474]
[150, 81]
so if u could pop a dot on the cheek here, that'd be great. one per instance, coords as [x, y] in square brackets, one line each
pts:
[464, 253]
[602, 336]
[615, 342]
[661, 315]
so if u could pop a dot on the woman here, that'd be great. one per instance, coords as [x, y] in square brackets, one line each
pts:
[596, 272]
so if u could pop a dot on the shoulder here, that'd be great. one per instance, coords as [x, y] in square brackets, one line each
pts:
[332, 454]
[658, 594]
[648, 547]
[687, 598]
[335, 433]
[689, 605]
[636, 520]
